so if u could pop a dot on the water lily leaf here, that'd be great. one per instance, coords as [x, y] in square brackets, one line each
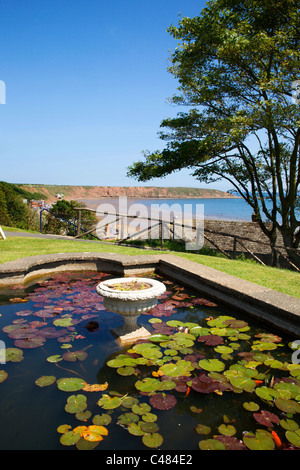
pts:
[14, 355]
[293, 437]
[51, 332]
[45, 380]
[109, 403]
[152, 353]
[121, 360]
[231, 443]
[210, 340]
[55, 358]
[128, 402]
[288, 406]
[251, 406]
[180, 368]
[74, 356]
[204, 386]
[294, 369]
[223, 349]
[3, 375]
[211, 444]
[149, 426]
[83, 415]
[158, 338]
[126, 370]
[135, 429]
[289, 424]
[162, 401]
[227, 430]
[148, 385]
[149, 417]
[63, 428]
[263, 346]
[260, 440]
[287, 389]
[68, 321]
[211, 365]
[70, 384]
[127, 418]
[95, 387]
[94, 433]
[141, 409]
[243, 383]
[30, 343]
[69, 438]
[76, 403]
[266, 418]
[102, 420]
[152, 440]
[266, 393]
[202, 429]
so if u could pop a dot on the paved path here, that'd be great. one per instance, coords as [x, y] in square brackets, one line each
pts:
[46, 235]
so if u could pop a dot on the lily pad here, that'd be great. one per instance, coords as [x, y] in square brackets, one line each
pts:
[141, 409]
[69, 438]
[251, 406]
[152, 440]
[202, 429]
[70, 384]
[211, 444]
[211, 365]
[30, 343]
[288, 406]
[127, 418]
[293, 437]
[76, 403]
[109, 403]
[126, 370]
[54, 358]
[135, 429]
[102, 420]
[14, 355]
[227, 430]
[266, 418]
[149, 427]
[260, 440]
[3, 375]
[94, 433]
[45, 380]
[74, 356]
[161, 401]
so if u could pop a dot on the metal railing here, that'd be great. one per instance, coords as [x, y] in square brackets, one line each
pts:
[239, 243]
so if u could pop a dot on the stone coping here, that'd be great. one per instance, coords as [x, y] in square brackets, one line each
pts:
[270, 307]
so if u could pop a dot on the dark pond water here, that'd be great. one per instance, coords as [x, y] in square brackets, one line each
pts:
[206, 378]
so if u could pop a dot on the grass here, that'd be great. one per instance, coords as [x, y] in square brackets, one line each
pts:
[281, 280]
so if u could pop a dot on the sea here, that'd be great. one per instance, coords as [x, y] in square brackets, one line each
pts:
[235, 209]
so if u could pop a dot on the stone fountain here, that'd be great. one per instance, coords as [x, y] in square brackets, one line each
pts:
[130, 296]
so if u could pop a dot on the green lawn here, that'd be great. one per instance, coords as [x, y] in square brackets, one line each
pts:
[278, 279]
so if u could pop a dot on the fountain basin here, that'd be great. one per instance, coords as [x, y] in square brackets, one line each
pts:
[126, 297]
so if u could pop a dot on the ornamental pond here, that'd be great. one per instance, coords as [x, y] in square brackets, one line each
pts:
[207, 378]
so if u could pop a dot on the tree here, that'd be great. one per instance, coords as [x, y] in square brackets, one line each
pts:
[237, 65]
[63, 219]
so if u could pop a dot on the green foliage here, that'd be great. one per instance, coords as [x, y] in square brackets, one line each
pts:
[236, 64]
[13, 211]
[64, 217]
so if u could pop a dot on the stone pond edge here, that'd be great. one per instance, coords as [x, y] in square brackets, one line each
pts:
[272, 308]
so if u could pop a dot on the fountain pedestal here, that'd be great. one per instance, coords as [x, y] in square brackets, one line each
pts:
[129, 303]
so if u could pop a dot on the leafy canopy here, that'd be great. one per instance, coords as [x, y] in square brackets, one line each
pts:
[236, 65]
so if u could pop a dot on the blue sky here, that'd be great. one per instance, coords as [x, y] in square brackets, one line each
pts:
[86, 88]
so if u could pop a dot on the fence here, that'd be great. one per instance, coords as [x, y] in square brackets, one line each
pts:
[235, 244]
